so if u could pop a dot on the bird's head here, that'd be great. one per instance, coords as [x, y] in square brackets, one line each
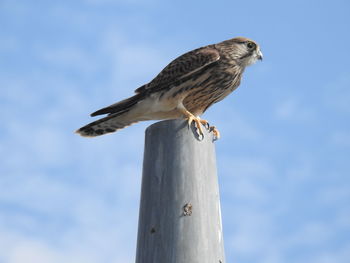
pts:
[243, 50]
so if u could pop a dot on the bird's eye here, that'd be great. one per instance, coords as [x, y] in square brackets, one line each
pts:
[250, 45]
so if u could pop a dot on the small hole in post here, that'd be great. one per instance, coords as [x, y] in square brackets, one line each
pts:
[187, 209]
[153, 230]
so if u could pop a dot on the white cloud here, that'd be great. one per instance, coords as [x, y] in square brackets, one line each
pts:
[254, 238]
[310, 234]
[244, 178]
[131, 64]
[75, 200]
[69, 57]
[231, 124]
[31, 251]
[53, 219]
[293, 110]
[70, 199]
[98, 247]
[259, 204]
[329, 255]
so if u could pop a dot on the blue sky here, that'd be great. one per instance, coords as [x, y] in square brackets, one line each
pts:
[283, 159]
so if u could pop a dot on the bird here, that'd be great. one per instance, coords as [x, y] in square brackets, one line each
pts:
[184, 89]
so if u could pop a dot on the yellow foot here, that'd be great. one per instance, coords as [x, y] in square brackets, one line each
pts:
[215, 132]
[197, 121]
[205, 123]
[211, 128]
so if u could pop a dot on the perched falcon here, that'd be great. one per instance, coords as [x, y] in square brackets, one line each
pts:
[185, 88]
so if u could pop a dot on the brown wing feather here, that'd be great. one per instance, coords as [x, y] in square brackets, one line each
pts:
[181, 67]
[178, 69]
[119, 107]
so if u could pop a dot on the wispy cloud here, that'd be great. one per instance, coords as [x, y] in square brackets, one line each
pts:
[293, 110]
[69, 199]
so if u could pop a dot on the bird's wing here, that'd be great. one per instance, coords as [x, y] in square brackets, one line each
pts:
[182, 67]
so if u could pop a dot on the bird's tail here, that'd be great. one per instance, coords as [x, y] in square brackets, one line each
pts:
[120, 115]
[108, 124]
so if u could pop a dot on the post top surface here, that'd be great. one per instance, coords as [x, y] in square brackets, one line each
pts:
[178, 124]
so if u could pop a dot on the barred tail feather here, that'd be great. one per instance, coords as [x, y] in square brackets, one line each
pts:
[120, 115]
[106, 125]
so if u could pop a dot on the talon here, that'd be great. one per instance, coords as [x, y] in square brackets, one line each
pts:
[205, 123]
[215, 132]
[190, 118]
[198, 125]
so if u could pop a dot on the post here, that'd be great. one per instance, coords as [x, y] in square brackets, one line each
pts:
[180, 219]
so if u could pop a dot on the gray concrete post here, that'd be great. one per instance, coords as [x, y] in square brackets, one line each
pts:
[180, 218]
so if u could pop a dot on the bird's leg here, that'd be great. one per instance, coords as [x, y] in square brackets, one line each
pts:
[198, 121]
[190, 118]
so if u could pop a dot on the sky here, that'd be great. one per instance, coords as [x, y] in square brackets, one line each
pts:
[283, 159]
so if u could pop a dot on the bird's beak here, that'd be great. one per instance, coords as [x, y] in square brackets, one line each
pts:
[260, 55]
